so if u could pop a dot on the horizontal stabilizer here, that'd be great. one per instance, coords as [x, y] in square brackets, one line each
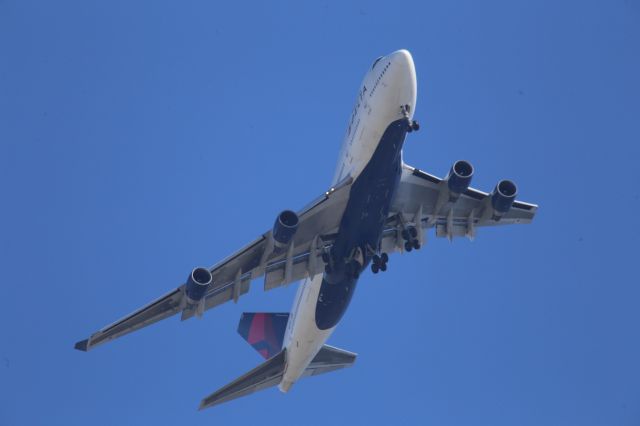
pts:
[266, 375]
[329, 359]
[269, 374]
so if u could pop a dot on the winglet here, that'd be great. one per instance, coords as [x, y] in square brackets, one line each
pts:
[82, 345]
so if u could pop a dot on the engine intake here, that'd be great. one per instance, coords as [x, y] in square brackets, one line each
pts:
[503, 196]
[197, 284]
[459, 177]
[285, 228]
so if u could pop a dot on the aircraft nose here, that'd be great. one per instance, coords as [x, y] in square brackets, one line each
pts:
[402, 59]
[403, 78]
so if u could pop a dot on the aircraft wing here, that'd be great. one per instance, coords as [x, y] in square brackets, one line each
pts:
[424, 201]
[318, 223]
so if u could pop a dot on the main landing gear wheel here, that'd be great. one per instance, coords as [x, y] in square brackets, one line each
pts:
[379, 263]
[410, 236]
[410, 233]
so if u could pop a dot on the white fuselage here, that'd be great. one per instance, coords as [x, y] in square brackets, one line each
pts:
[389, 85]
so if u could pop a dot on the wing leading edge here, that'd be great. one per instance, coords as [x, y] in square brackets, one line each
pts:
[418, 202]
[422, 200]
[232, 276]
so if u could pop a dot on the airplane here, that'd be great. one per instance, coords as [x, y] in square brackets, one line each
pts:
[376, 205]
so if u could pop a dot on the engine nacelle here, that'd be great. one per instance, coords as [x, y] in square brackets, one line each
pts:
[459, 177]
[197, 284]
[503, 197]
[285, 228]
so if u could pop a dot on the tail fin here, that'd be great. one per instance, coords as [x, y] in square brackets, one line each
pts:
[270, 373]
[264, 331]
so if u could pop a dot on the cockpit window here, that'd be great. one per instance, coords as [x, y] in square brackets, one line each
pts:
[375, 62]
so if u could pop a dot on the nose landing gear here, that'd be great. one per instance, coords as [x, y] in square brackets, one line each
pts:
[412, 125]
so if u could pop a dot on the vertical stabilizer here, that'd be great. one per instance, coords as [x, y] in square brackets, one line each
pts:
[264, 331]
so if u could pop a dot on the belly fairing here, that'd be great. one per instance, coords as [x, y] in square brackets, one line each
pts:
[361, 225]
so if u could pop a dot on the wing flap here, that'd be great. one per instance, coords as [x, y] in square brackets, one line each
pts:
[318, 223]
[421, 192]
[233, 275]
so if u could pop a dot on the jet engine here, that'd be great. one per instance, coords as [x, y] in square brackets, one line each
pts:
[503, 196]
[285, 228]
[197, 284]
[459, 177]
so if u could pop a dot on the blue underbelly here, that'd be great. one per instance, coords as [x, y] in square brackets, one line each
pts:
[361, 225]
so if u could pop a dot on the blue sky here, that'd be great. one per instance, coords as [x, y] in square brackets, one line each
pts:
[138, 140]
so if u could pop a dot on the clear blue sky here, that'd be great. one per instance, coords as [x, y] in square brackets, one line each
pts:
[141, 139]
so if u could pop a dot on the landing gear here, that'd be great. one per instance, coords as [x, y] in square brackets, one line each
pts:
[410, 237]
[413, 244]
[326, 258]
[353, 269]
[379, 263]
[412, 125]
[410, 233]
[353, 264]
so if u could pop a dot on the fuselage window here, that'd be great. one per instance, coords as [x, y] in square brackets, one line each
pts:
[375, 62]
